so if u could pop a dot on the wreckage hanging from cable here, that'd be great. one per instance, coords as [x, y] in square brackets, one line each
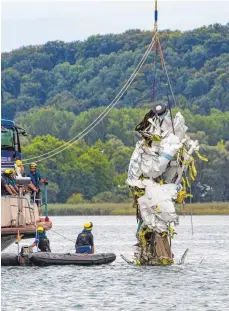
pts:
[160, 172]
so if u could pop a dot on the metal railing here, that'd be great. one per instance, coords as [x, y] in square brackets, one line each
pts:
[20, 208]
[37, 201]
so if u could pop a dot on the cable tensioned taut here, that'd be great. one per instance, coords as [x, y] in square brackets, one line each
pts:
[155, 16]
[79, 136]
[102, 115]
[155, 50]
[166, 71]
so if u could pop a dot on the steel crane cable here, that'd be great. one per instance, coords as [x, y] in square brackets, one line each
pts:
[102, 115]
[166, 71]
[106, 111]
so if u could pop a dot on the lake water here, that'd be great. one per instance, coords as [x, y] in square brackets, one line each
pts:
[202, 283]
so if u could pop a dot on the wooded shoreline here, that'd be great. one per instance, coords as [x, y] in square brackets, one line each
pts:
[214, 208]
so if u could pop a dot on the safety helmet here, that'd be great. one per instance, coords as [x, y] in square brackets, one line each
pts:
[40, 229]
[8, 172]
[88, 225]
[33, 165]
[18, 162]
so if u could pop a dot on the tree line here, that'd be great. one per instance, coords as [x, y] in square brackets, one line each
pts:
[77, 76]
[95, 168]
[57, 89]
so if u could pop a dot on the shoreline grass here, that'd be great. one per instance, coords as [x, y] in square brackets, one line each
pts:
[213, 208]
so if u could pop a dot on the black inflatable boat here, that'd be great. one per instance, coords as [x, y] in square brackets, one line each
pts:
[49, 259]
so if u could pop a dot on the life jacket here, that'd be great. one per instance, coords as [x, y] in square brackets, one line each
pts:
[42, 235]
[42, 242]
[85, 238]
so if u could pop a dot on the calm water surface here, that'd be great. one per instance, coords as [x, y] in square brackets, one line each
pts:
[202, 283]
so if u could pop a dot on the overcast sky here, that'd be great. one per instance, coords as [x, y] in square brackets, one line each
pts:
[29, 22]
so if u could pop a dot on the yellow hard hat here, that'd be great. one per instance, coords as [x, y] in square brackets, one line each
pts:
[33, 165]
[18, 162]
[9, 171]
[40, 229]
[88, 225]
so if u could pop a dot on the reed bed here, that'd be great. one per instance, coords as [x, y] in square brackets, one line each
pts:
[213, 208]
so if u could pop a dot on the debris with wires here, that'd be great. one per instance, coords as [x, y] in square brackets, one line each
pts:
[160, 172]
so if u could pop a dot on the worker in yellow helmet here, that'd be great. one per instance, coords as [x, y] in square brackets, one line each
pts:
[5, 188]
[41, 240]
[85, 240]
[9, 178]
[35, 182]
[19, 168]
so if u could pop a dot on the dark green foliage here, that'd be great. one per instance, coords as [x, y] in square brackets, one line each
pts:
[82, 75]
[117, 128]
[58, 89]
[99, 171]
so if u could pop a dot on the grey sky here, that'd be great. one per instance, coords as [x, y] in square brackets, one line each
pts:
[38, 21]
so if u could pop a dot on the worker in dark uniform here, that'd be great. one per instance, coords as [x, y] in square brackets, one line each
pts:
[5, 189]
[9, 177]
[41, 240]
[35, 182]
[85, 240]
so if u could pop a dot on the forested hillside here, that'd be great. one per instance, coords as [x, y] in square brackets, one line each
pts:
[80, 75]
[57, 89]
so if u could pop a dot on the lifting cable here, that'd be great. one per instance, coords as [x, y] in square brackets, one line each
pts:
[166, 71]
[163, 64]
[102, 115]
[90, 127]
[155, 52]
[62, 235]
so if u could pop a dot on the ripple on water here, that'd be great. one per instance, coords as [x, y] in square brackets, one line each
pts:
[192, 286]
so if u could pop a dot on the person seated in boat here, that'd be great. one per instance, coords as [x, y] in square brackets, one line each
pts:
[5, 189]
[35, 182]
[41, 240]
[85, 240]
[9, 177]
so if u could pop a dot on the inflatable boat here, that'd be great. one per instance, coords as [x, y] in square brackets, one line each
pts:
[50, 259]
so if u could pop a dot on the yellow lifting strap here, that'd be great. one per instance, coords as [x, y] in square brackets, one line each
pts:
[191, 173]
[191, 157]
[142, 238]
[194, 171]
[155, 138]
[165, 261]
[182, 195]
[190, 163]
[139, 193]
[200, 156]
[171, 232]
[180, 154]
